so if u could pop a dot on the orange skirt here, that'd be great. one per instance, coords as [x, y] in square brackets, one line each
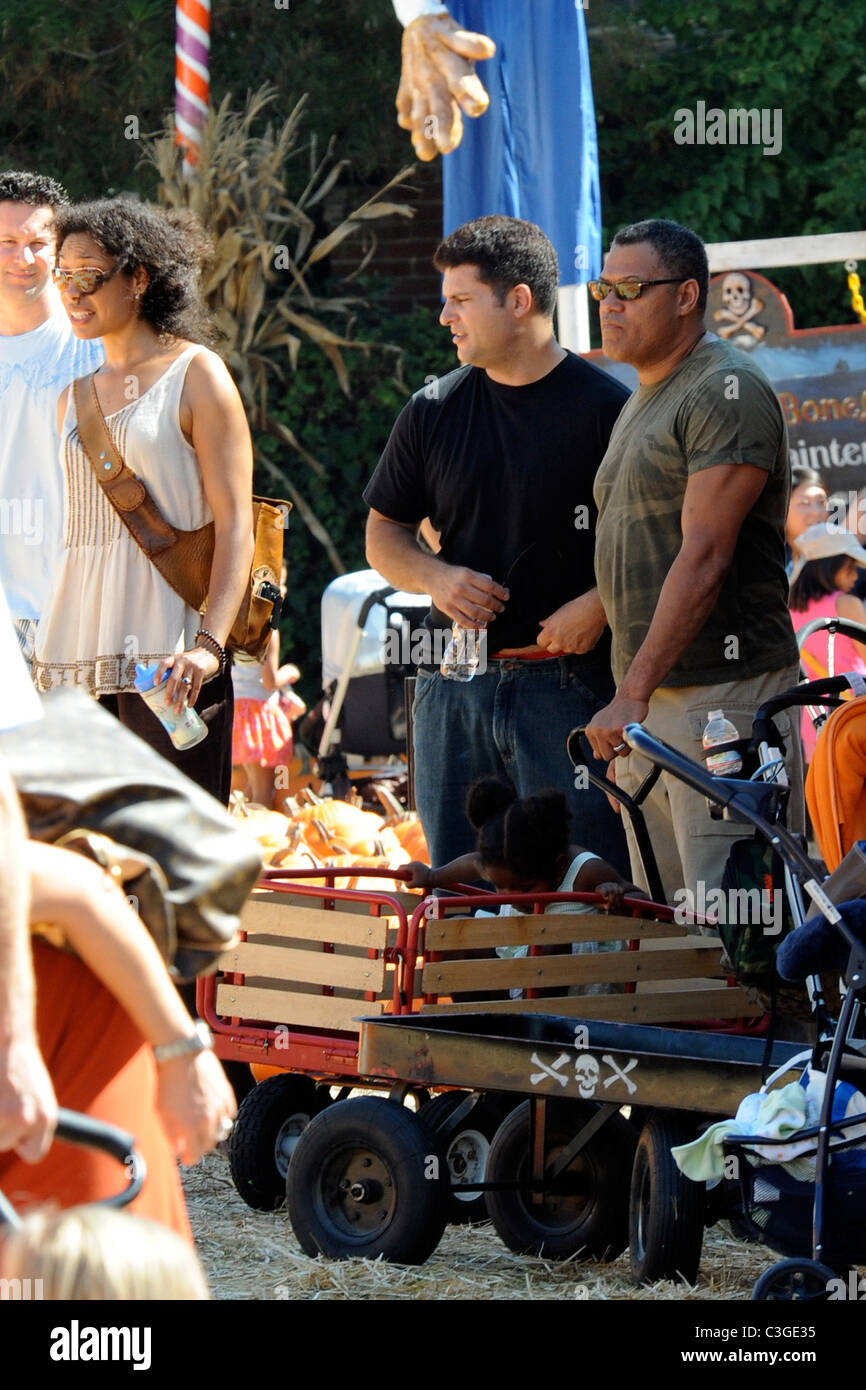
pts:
[101, 1065]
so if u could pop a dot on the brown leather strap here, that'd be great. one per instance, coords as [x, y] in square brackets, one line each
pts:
[162, 543]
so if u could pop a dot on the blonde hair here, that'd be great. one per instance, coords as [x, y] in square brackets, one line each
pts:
[97, 1253]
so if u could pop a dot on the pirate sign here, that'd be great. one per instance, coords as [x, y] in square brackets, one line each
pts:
[740, 308]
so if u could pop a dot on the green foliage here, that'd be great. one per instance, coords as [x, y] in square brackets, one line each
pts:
[790, 55]
[348, 436]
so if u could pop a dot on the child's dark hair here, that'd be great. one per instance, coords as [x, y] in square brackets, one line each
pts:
[528, 835]
[816, 578]
[172, 246]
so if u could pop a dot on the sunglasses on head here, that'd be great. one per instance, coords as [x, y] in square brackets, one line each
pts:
[87, 279]
[626, 289]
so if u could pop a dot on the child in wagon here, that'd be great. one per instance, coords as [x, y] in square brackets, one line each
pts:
[524, 847]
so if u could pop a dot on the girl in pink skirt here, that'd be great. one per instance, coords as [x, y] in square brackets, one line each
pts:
[265, 706]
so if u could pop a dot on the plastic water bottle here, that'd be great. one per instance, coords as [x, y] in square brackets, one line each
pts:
[186, 729]
[463, 653]
[721, 730]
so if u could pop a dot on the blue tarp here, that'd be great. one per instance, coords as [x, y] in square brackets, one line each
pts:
[534, 154]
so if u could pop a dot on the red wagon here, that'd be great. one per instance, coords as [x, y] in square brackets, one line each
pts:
[315, 958]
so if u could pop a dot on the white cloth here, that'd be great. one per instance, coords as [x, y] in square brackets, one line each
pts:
[407, 10]
[774, 1115]
[35, 368]
[110, 607]
[19, 703]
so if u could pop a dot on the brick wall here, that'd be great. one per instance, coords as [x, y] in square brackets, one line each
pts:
[405, 245]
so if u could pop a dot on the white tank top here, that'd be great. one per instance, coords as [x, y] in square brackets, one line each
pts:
[109, 606]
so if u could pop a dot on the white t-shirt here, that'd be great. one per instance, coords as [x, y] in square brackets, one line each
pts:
[35, 367]
[19, 703]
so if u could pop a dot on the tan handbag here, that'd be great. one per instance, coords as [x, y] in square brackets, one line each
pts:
[184, 558]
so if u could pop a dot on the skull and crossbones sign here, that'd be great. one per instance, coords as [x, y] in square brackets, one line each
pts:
[740, 306]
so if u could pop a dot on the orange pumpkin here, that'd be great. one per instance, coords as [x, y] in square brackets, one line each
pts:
[336, 820]
[410, 834]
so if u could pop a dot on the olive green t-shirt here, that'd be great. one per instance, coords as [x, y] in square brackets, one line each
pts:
[715, 407]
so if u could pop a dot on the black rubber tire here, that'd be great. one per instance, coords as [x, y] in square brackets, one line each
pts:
[666, 1209]
[269, 1121]
[793, 1281]
[592, 1219]
[368, 1141]
[467, 1148]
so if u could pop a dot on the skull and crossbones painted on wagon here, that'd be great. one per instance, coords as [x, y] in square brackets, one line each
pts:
[587, 1072]
[740, 307]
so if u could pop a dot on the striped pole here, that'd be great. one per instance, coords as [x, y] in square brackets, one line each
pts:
[191, 76]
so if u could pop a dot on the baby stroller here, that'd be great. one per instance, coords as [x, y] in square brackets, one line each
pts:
[369, 635]
[816, 1224]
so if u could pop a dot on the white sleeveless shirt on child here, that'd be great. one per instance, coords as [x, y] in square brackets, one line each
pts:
[110, 607]
[578, 948]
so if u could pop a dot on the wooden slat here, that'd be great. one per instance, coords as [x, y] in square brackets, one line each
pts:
[695, 961]
[468, 933]
[622, 1008]
[408, 901]
[306, 967]
[272, 917]
[302, 1010]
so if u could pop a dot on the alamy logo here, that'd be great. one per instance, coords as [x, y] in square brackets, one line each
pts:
[736, 126]
[23, 1289]
[77, 1343]
[23, 516]
[758, 907]
[405, 645]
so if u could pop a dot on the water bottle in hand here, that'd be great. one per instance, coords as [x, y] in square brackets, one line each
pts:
[462, 655]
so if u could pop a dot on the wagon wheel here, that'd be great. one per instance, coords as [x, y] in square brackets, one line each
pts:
[365, 1180]
[466, 1147]
[666, 1210]
[585, 1210]
[269, 1122]
[793, 1281]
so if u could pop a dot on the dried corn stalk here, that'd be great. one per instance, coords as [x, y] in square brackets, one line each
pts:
[257, 285]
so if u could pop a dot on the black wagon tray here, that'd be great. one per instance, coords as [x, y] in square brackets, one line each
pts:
[540, 1054]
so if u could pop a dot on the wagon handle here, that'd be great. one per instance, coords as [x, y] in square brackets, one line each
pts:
[581, 755]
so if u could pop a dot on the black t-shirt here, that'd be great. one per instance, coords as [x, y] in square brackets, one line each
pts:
[505, 474]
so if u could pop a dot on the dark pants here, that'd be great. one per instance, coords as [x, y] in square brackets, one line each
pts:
[209, 763]
[511, 720]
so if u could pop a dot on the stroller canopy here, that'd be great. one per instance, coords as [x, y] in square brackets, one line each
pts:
[836, 782]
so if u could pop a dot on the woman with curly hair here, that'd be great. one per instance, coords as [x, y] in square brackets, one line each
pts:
[129, 274]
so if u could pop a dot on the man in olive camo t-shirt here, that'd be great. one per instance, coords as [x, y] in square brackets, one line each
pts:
[692, 495]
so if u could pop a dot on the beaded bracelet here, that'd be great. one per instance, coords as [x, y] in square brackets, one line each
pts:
[213, 646]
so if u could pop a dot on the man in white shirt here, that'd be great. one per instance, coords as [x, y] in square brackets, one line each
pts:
[39, 357]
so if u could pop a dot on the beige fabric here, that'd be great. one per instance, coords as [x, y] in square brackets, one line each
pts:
[110, 607]
[691, 847]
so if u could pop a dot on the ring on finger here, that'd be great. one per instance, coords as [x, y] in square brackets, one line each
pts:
[185, 680]
[618, 747]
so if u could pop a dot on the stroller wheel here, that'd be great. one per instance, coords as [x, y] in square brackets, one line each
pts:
[792, 1281]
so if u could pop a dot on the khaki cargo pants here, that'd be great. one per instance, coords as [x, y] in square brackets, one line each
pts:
[690, 847]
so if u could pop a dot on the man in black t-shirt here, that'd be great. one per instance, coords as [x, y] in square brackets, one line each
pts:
[500, 455]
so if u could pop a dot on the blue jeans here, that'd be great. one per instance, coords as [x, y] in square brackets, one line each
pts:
[511, 721]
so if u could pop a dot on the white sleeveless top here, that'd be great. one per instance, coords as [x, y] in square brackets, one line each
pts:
[110, 607]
